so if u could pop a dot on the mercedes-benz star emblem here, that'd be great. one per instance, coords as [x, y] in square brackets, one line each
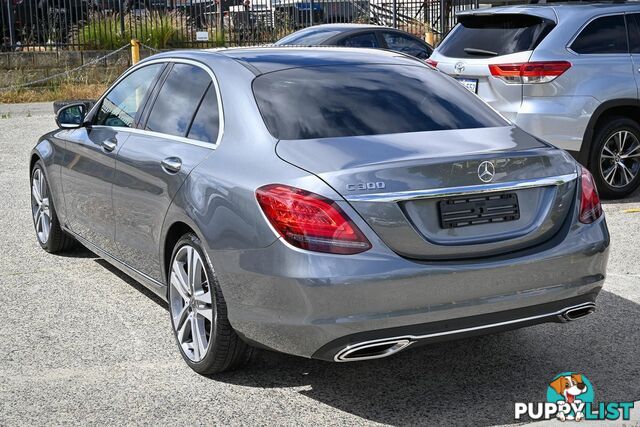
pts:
[486, 171]
[459, 67]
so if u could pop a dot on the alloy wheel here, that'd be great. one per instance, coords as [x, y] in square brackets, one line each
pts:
[191, 305]
[40, 206]
[620, 159]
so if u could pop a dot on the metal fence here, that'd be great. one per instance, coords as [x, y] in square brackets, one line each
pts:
[109, 24]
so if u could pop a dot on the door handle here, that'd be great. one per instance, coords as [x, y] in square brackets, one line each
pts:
[171, 164]
[109, 144]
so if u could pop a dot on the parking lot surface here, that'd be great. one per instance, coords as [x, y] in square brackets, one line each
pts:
[81, 342]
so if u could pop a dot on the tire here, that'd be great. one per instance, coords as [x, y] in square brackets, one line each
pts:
[43, 212]
[201, 313]
[615, 174]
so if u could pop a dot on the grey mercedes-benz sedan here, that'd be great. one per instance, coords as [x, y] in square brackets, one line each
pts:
[340, 204]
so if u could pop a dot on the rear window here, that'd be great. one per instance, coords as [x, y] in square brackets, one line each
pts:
[495, 35]
[339, 101]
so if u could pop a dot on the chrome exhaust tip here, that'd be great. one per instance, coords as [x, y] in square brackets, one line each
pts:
[577, 312]
[371, 350]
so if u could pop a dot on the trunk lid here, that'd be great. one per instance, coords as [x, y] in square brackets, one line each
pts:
[408, 187]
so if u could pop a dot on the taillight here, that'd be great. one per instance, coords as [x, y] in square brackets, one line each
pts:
[309, 221]
[431, 62]
[590, 208]
[529, 72]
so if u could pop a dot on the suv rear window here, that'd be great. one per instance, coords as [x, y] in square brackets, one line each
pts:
[494, 35]
[352, 100]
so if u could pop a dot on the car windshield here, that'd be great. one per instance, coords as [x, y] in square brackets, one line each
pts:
[352, 100]
[494, 35]
[308, 37]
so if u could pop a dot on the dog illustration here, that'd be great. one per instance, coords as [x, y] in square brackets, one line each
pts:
[570, 387]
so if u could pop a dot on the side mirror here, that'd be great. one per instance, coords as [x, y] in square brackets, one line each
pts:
[71, 116]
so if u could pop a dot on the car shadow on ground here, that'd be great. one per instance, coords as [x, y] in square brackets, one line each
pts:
[78, 251]
[471, 381]
[632, 198]
[82, 252]
[132, 282]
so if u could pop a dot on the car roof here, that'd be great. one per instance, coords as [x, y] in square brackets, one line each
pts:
[559, 9]
[275, 58]
[345, 27]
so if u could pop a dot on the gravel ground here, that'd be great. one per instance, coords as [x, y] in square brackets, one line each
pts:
[82, 343]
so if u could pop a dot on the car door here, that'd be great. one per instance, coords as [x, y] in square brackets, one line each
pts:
[181, 127]
[90, 153]
[633, 27]
[399, 42]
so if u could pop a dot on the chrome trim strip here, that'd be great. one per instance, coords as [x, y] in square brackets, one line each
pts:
[402, 196]
[558, 313]
[162, 135]
[148, 281]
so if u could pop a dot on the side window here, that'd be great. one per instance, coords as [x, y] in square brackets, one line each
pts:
[206, 123]
[633, 24]
[360, 40]
[401, 43]
[178, 100]
[603, 35]
[122, 103]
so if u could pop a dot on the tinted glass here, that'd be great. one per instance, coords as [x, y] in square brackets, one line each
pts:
[633, 24]
[122, 103]
[494, 35]
[401, 43]
[602, 35]
[350, 100]
[360, 40]
[178, 100]
[308, 37]
[206, 123]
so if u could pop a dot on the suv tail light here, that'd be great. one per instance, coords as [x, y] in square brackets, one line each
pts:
[309, 221]
[590, 208]
[432, 62]
[529, 72]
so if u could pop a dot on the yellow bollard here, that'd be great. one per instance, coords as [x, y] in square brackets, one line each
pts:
[429, 38]
[135, 51]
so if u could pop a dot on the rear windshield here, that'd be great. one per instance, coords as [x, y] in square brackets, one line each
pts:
[494, 35]
[352, 100]
[308, 37]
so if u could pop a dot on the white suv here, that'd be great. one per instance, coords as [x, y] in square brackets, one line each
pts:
[568, 74]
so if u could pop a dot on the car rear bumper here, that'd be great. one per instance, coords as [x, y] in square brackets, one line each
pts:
[350, 348]
[559, 120]
[315, 305]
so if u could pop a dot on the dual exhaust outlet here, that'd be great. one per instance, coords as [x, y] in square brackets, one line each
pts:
[378, 349]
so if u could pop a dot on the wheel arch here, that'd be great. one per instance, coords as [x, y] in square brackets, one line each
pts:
[620, 107]
[35, 156]
[174, 229]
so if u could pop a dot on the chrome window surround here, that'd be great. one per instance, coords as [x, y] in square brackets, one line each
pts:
[196, 142]
[403, 196]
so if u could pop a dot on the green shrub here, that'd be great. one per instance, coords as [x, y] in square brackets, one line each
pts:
[158, 30]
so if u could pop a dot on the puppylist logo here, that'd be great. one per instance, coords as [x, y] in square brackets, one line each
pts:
[570, 397]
